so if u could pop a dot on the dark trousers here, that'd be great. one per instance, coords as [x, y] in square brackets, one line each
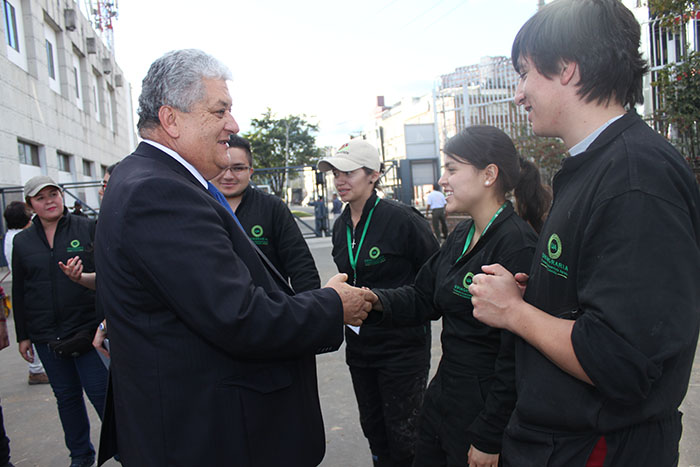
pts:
[653, 443]
[452, 402]
[4, 442]
[68, 378]
[389, 402]
[439, 221]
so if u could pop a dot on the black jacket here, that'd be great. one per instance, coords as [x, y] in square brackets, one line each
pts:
[270, 225]
[620, 255]
[47, 304]
[212, 359]
[398, 242]
[469, 347]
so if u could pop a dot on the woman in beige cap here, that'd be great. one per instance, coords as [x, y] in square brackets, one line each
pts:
[57, 314]
[381, 243]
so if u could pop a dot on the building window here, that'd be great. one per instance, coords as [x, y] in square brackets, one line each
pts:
[11, 26]
[49, 60]
[63, 161]
[96, 104]
[14, 33]
[109, 110]
[78, 80]
[88, 168]
[52, 61]
[28, 153]
[103, 168]
[76, 83]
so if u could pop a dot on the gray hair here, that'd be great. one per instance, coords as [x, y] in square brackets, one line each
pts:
[175, 79]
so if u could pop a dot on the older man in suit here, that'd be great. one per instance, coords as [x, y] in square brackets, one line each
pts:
[212, 354]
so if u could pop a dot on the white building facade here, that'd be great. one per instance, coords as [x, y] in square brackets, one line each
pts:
[65, 107]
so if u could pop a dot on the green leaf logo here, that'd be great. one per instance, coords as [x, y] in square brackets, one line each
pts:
[554, 246]
[257, 231]
[467, 281]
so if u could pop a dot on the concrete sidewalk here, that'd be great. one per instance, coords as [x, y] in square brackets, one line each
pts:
[36, 437]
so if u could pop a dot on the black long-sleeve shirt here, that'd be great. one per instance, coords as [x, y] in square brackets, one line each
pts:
[271, 226]
[620, 255]
[469, 347]
[398, 242]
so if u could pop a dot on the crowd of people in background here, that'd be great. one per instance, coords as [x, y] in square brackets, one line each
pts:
[570, 315]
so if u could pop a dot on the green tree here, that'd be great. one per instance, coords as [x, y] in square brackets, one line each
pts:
[274, 140]
[673, 11]
[678, 84]
[546, 153]
[679, 87]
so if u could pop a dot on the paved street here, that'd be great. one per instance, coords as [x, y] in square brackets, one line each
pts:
[36, 437]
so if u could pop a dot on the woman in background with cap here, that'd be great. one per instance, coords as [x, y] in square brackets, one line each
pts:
[381, 243]
[57, 314]
[472, 395]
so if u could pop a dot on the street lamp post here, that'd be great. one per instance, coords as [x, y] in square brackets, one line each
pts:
[286, 159]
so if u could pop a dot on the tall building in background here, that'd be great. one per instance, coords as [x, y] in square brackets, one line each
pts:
[405, 135]
[479, 94]
[66, 108]
[412, 131]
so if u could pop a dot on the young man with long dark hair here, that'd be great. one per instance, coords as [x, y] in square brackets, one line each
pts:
[610, 314]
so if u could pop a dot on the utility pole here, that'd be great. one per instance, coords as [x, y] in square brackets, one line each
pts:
[286, 158]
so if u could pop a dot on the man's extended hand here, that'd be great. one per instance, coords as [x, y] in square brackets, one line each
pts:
[356, 302]
[496, 295]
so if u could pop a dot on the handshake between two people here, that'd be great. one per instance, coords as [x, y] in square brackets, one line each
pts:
[357, 302]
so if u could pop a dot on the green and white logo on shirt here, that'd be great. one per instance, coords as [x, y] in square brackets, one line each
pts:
[463, 290]
[467, 281]
[549, 259]
[554, 246]
[75, 246]
[256, 233]
[375, 257]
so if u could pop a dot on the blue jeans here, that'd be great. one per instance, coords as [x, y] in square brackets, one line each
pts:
[4, 443]
[68, 378]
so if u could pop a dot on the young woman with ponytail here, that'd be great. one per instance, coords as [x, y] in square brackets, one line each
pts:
[472, 395]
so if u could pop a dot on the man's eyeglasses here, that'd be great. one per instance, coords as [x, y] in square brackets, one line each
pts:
[238, 169]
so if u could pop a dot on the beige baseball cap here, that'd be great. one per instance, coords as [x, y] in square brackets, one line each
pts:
[35, 184]
[352, 155]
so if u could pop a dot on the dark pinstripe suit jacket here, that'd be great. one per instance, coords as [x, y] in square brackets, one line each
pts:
[212, 359]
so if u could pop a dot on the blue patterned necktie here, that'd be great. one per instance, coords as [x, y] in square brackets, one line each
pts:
[222, 200]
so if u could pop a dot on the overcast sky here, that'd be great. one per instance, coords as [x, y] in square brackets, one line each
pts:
[323, 58]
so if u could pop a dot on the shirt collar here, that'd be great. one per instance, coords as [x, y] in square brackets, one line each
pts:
[179, 158]
[585, 142]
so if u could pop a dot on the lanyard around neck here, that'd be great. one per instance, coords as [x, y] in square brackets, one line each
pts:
[470, 235]
[353, 260]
